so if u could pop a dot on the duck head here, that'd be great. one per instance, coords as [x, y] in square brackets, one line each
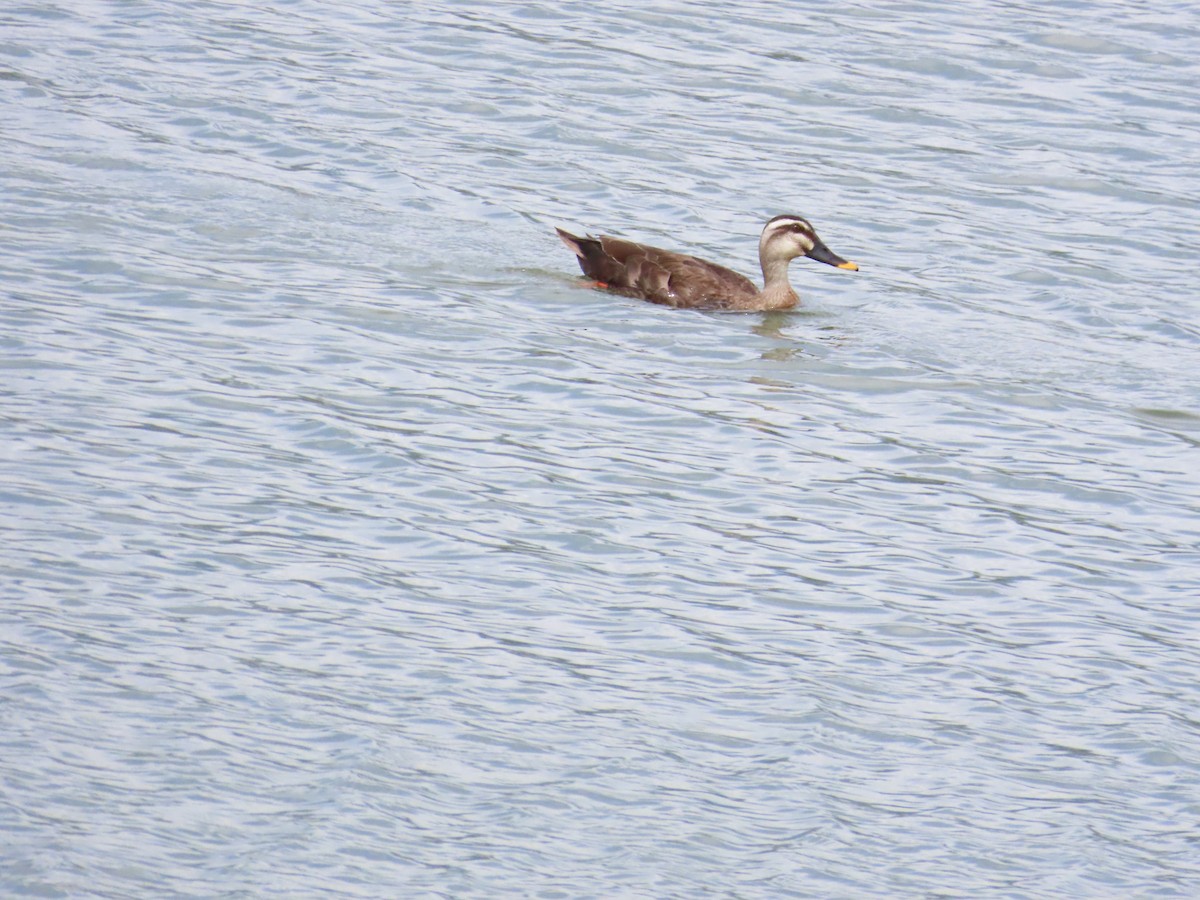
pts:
[786, 237]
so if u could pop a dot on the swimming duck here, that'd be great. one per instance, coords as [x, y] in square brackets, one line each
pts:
[674, 279]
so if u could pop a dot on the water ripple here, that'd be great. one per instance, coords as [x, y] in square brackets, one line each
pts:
[353, 549]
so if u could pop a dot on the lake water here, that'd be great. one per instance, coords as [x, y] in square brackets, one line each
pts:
[352, 547]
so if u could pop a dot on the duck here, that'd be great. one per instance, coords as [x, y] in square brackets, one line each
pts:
[686, 282]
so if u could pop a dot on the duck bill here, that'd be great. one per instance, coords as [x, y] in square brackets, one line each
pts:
[823, 254]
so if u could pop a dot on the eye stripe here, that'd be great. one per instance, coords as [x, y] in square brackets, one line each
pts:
[793, 223]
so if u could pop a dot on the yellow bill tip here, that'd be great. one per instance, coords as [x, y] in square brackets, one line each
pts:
[853, 267]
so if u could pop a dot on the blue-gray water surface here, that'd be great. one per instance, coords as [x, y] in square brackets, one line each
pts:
[354, 547]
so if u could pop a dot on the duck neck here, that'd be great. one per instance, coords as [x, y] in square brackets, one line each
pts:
[777, 291]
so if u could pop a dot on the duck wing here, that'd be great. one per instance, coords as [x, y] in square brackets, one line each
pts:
[657, 275]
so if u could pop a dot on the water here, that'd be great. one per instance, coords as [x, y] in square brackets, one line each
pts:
[352, 549]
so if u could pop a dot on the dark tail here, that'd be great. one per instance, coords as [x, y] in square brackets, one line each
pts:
[575, 244]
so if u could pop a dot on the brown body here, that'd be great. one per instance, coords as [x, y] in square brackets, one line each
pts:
[675, 279]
